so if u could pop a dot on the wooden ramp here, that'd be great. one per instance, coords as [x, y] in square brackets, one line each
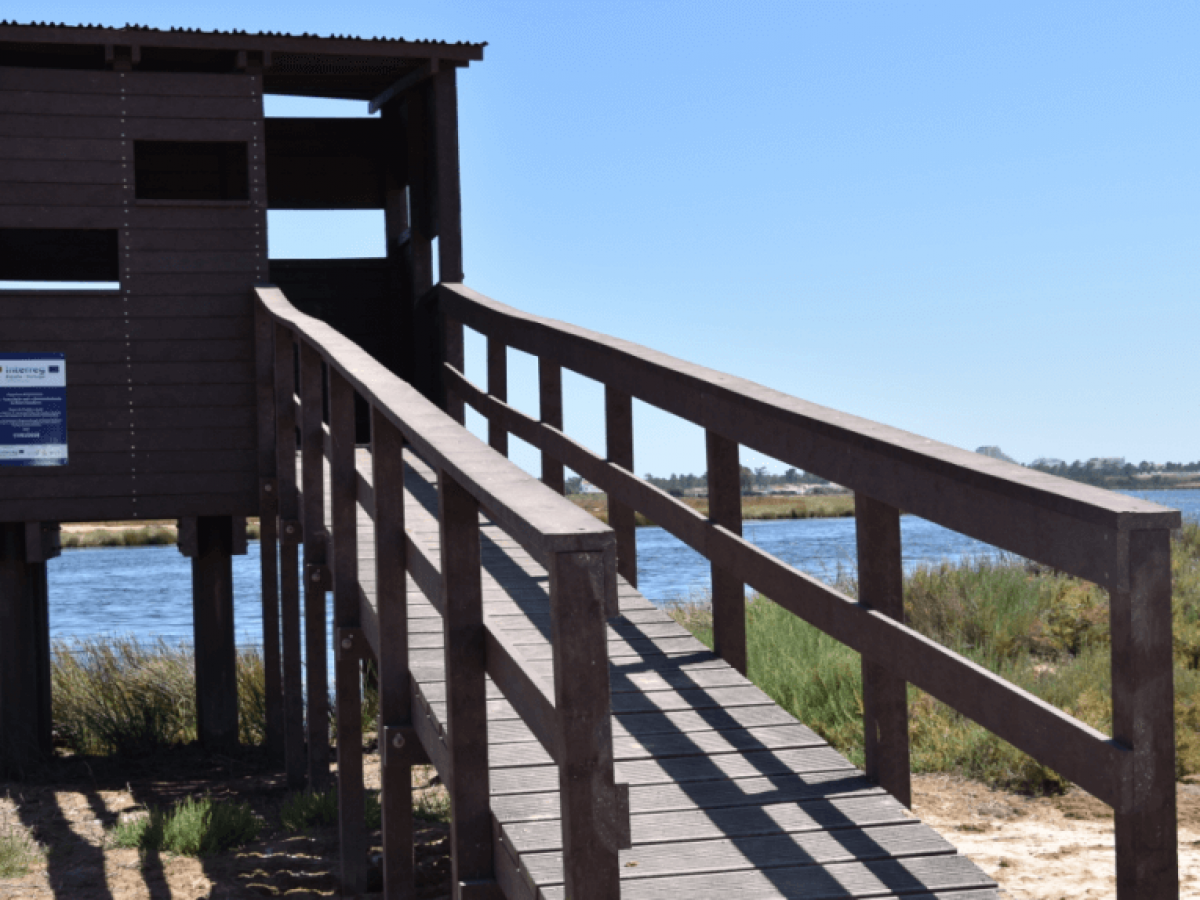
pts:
[730, 796]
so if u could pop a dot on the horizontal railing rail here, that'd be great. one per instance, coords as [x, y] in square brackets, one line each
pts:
[1118, 542]
[571, 718]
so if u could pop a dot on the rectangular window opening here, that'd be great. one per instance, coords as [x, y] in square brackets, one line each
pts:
[191, 170]
[59, 258]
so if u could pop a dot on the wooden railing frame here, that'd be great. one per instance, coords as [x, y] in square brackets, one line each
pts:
[572, 720]
[1120, 543]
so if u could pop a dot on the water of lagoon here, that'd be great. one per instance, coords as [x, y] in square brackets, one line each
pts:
[146, 591]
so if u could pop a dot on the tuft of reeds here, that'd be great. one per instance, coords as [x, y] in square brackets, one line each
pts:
[147, 536]
[18, 852]
[193, 827]
[121, 695]
[1044, 631]
[319, 809]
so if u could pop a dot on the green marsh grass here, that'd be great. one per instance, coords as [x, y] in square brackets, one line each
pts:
[319, 809]
[18, 852]
[1044, 631]
[193, 827]
[129, 697]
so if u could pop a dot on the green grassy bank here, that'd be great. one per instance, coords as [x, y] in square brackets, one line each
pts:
[821, 507]
[1046, 632]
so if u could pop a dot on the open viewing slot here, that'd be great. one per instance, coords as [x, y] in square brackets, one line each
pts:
[191, 170]
[58, 258]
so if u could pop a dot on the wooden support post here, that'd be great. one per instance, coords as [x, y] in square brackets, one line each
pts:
[268, 519]
[551, 413]
[497, 386]
[466, 694]
[343, 490]
[725, 510]
[618, 422]
[216, 653]
[595, 813]
[885, 697]
[395, 685]
[316, 564]
[25, 723]
[448, 205]
[1143, 698]
[425, 336]
[452, 353]
[290, 535]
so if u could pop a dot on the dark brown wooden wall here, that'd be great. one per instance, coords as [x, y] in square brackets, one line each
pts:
[161, 402]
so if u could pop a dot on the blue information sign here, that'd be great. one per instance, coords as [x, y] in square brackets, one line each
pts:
[33, 409]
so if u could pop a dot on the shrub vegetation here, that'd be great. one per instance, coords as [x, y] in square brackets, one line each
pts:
[193, 827]
[1044, 631]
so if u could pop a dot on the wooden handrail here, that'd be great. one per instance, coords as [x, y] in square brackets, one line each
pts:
[572, 720]
[1119, 542]
[1065, 524]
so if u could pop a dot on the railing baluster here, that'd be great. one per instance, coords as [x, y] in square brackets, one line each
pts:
[497, 386]
[268, 527]
[551, 413]
[595, 814]
[452, 350]
[316, 564]
[618, 422]
[885, 696]
[1144, 716]
[725, 509]
[395, 688]
[289, 561]
[343, 491]
[466, 695]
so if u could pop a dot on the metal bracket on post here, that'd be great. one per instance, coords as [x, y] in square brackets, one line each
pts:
[351, 643]
[317, 575]
[397, 744]
[291, 532]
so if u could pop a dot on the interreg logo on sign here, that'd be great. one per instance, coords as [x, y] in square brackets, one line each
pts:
[33, 409]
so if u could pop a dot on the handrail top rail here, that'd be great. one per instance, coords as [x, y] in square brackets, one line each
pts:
[892, 446]
[539, 518]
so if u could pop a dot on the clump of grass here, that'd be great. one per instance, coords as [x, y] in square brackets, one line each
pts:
[319, 809]
[1043, 631]
[753, 508]
[18, 852]
[124, 696]
[146, 536]
[192, 827]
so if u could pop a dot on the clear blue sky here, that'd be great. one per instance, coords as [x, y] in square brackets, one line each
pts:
[975, 221]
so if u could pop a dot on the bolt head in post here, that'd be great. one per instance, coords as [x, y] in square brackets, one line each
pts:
[347, 643]
[316, 577]
[398, 740]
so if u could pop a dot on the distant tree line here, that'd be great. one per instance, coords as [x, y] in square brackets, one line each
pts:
[752, 480]
[1142, 475]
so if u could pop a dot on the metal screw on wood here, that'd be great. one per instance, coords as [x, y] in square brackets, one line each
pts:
[291, 529]
[397, 741]
[316, 577]
[347, 643]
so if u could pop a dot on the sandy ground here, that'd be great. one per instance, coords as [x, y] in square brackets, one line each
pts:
[1037, 849]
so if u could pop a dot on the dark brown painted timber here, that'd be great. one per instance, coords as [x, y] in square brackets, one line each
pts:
[25, 713]
[551, 413]
[618, 430]
[343, 491]
[725, 511]
[1083, 530]
[885, 697]
[216, 653]
[497, 381]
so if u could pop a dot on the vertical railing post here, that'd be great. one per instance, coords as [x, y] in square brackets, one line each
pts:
[885, 697]
[550, 408]
[343, 491]
[497, 386]
[618, 422]
[466, 695]
[290, 535]
[212, 625]
[397, 742]
[725, 510]
[452, 353]
[595, 812]
[316, 564]
[268, 527]
[1143, 698]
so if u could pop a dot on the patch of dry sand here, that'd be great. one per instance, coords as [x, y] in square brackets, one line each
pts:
[1050, 848]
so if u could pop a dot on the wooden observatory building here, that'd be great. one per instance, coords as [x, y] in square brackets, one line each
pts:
[138, 162]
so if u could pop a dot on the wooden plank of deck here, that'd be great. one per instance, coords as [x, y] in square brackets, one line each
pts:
[730, 796]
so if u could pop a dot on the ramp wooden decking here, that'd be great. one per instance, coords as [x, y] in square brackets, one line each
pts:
[730, 796]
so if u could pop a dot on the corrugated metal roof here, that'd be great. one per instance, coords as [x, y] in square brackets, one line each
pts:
[242, 33]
